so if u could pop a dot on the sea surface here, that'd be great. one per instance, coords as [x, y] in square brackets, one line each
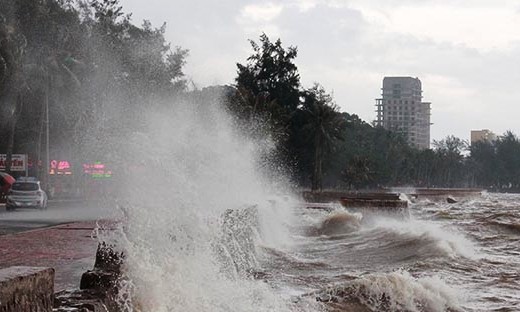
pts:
[463, 256]
[211, 223]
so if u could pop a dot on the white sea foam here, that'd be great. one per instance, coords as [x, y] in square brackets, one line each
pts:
[447, 239]
[184, 172]
[399, 291]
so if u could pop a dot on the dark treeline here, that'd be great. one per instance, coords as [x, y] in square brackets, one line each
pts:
[331, 149]
[97, 72]
[87, 65]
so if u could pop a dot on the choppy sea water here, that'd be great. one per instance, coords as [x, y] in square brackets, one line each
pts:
[208, 226]
[445, 257]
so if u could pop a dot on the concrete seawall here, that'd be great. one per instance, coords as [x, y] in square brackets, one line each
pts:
[26, 289]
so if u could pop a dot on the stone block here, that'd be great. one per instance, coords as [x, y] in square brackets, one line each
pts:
[26, 289]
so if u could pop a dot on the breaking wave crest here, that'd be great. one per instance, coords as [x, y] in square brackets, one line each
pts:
[396, 291]
[336, 223]
[450, 242]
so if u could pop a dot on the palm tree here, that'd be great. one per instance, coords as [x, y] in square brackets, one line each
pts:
[324, 125]
[12, 50]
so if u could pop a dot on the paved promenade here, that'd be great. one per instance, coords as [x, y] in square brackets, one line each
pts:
[69, 248]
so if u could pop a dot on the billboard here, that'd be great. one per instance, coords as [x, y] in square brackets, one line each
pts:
[18, 162]
[60, 167]
[97, 170]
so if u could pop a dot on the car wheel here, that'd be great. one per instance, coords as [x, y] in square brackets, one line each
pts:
[9, 208]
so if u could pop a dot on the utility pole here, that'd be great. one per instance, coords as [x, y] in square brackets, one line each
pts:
[46, 161]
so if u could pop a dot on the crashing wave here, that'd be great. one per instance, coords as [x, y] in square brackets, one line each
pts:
[393, 292]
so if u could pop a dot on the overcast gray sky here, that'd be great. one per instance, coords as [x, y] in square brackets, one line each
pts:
[466, 52]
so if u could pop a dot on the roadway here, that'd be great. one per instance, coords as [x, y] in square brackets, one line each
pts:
[61, 237]
[58, 212]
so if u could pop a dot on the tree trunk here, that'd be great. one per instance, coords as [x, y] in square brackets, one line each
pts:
[39, 169]
[46, 161]
[317, 170]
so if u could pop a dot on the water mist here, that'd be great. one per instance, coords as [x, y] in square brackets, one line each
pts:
[196, 207]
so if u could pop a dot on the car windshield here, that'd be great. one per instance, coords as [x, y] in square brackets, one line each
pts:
[24, 186]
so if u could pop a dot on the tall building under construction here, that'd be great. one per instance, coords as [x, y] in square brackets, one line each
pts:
[402, 110]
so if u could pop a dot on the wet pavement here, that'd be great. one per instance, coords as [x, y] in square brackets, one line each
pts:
[61, 237]
[69, 248]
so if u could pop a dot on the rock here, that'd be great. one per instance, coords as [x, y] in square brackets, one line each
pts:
[79, 301]
[98, 287]
[98, 280]
[451, 200]
[107, 270]
[108, 259]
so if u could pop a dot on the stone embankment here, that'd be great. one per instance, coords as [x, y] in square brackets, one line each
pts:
[367, 203]
[26, 289]
[451, 195]
[356, 199]
[28, 284]
[31, 289]
[389, 200]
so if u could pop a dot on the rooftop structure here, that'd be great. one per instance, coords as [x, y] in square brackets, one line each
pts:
[483, 135]
[402, 110]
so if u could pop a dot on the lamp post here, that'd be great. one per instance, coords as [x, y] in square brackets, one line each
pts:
[46, 158]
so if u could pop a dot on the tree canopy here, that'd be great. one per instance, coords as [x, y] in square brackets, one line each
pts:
[306, 122]
[87, 62]
[97, 72]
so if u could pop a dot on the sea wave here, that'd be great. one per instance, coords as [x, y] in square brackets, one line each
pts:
[395, 291]
[450, 241]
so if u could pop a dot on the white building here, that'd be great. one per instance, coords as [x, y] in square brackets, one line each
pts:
[402, 110]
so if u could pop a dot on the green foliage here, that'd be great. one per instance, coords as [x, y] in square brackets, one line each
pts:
[270, 84]
[500, 162]
[271, 70]
[305, 122]
[322, 125]
[96, 69]
[99, 73]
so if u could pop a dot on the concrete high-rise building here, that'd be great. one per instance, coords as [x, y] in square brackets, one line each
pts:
[402, 110]
[483, 135]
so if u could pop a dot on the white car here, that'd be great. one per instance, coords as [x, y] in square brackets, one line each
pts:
[26, 192]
